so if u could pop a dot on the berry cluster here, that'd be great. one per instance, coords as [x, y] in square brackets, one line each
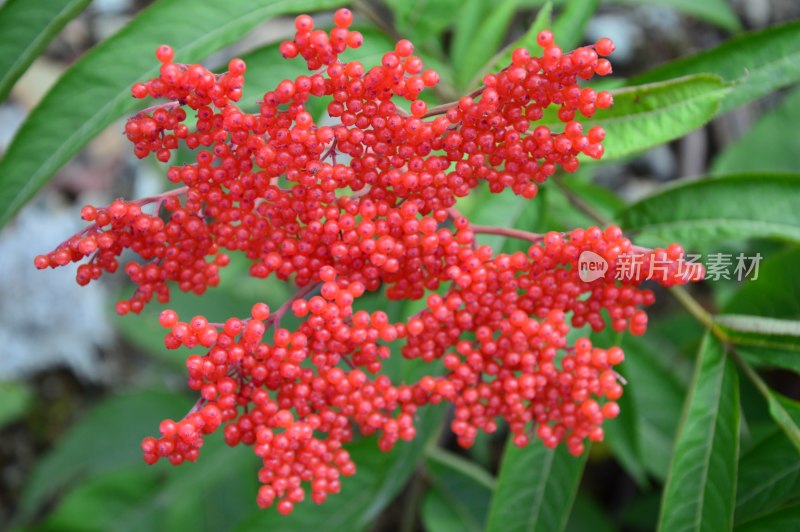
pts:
[269, 186]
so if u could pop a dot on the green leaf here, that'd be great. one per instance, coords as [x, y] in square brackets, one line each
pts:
[363, 496]
[787, 518]
[507, 210]
[758, 63]
[535, 489]
[772, 137]
[658, 394]
[769, 477]
[775, 291]
[770, 358]
[700, 489]
[786, 414]
[27, 27]
[459, 495]
[424, 18]
[15, 397]
[98, 503]
[710, 210]
[570, 25]
[760, 332]
[623, 434]
[483, 42]
[96, 90]
[467, 23]
[717, 12]
[210, 495]
[588, 516]
[527, 41]
[105, 439]
[648, 115]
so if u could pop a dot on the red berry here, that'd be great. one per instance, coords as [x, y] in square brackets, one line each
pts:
[165, 53]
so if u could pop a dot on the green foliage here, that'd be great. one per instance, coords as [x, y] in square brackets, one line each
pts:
[26, 32]
[756, 64]
[700, 487]
[645, 116]
[459, 496]
[103, 440]
[535, 488]
[772, 137]
[679, 213]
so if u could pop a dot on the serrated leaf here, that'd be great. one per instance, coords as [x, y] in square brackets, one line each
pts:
[760, 332]
[483, 42]
[772, 137]
[769, 477]
[710, 210]
[27, 27]
[757, 63]
[459, 495]
[649, 115]
[535, 488]
[700, 489]
[645, 116]
[570, 25]
[96, 90]
[105, 439]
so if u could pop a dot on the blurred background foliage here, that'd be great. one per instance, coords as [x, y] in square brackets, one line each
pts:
[701, 149]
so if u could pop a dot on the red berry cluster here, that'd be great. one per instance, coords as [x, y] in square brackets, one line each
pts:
[269, 185]
[181, 251]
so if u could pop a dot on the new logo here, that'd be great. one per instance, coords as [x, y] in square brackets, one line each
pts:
[591, 266]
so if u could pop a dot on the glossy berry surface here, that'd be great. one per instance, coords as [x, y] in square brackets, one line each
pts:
[367, 204]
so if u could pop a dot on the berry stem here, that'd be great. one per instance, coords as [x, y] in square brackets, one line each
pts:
[443, 108]
[533, 238]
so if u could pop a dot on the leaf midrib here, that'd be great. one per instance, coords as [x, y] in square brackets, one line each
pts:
[540, 490]
[717, 221]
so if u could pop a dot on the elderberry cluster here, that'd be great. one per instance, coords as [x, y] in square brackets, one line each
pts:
[269, 186]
